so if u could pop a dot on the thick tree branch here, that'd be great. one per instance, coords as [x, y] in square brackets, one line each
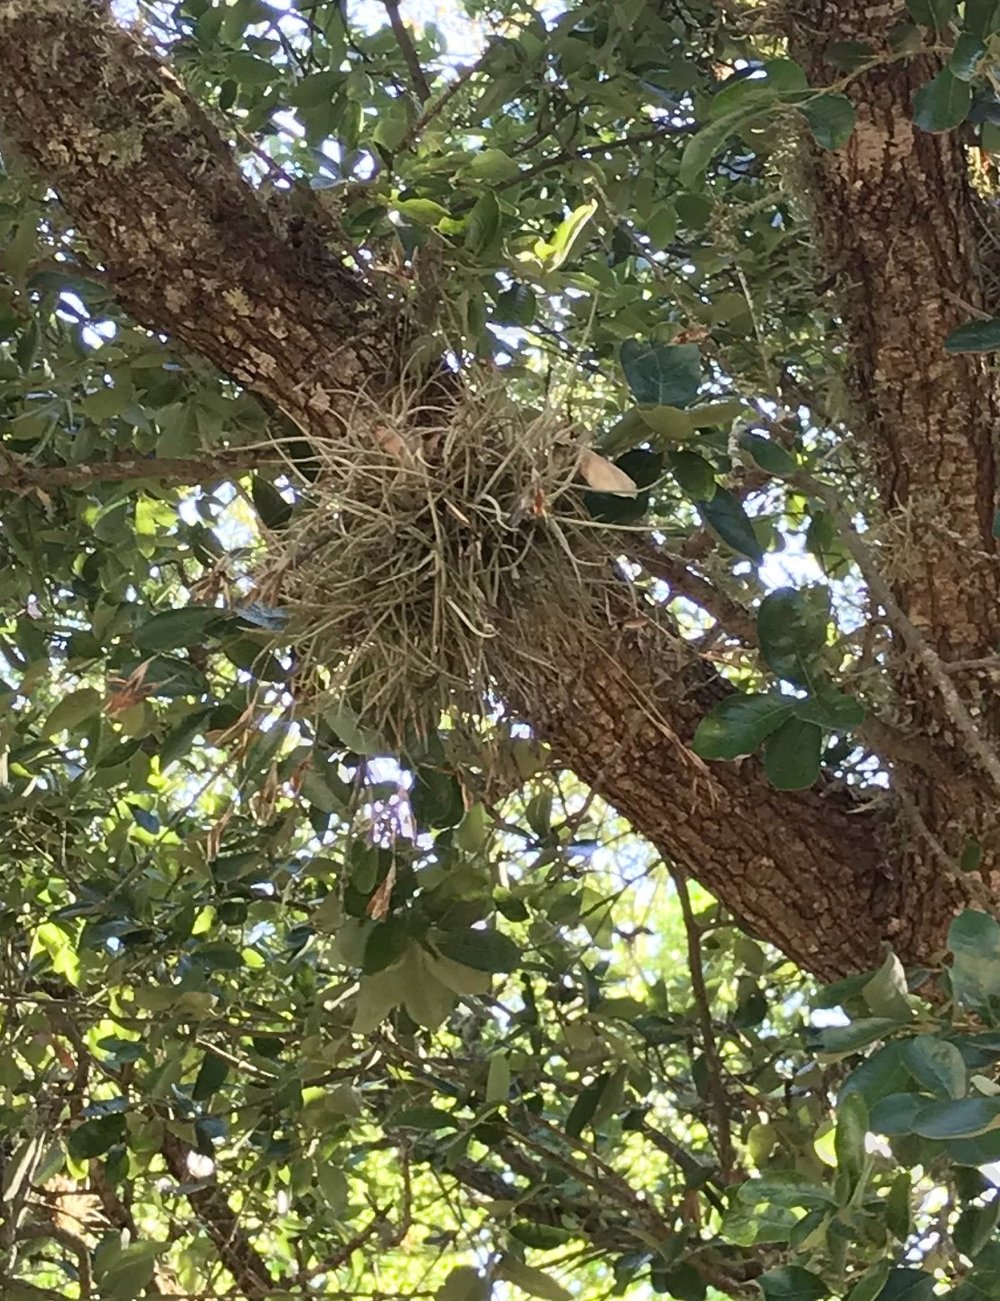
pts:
[192, 249]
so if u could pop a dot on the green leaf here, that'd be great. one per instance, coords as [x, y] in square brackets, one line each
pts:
[965, 58]
[885, 993]
[436, 798]
[661, 374]
[981, 17]
[961, 1118]
[870, 1284]
[932, 13]
[768, 454]
[880, 1075]
[386, 944]
[842, 1039]
[211, 1077]
[894, 1114]
[272, 507]
[792, 628]
[975, 336]
[792, 755]
[702, 148]
[792, 1283]
[492, 165]
[974, 940]
[425, 1118]
[567, 236]
[908, 1285]
[830, 709]
[72, 710]
[695, 476]
[482, 223]
[936, 1065]
[670, 423]
[739, 724]
[124, 1272]
[725, 514]
[741, 93]
[483, 950]
[424, 212]
[498, 1078]
[464, 1284]
[849, 1137]
[831, 119]
[535, 1282]
[95, 1137]
[943, 103]
[174, 629]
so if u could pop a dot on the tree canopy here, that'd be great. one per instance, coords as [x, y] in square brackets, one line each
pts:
[499, 635]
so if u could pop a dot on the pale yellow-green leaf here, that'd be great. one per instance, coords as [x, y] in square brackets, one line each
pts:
[498, 1078]
[536, 1282]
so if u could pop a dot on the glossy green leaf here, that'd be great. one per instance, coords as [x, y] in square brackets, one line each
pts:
[792, 755]
[974, 940]
[975, 336]
[936, 1065]
[96, 1136]
[702, 148]
[896, 1112]
[932, 13]
[966, 56]
[792, 1283]
[174, 629]
[739, 724]
[961, 1118]
[831, 119]
[943, 103]
[483, 950]
[768, 454]
[695, 477]
[661, 374]
[724, 513]
[792, 628]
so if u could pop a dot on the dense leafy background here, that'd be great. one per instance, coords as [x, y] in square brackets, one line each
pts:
[428, 1045]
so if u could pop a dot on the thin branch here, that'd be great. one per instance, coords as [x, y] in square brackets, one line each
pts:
[18, 477]
[685, 582]
[421, 86]
[72, 1243]
[713, 1063]
[565, 156]
[211, 1205]
[912, 638]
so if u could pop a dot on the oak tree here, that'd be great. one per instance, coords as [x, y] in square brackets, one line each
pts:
[499, 616]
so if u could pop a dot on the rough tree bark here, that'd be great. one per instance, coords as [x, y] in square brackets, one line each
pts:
[191, 249]
[897, 216]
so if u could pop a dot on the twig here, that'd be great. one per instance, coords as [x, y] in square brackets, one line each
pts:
[408, 50]
[685, 582]
[211, 1205]
[713, 1063]
[598, 147]
[71, 1242]
[16, 476]
[935, 667]
[437, 107]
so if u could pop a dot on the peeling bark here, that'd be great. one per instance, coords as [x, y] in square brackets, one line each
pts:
[193, 250]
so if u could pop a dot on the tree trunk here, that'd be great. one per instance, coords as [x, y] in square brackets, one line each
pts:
[191, 249]
[897, 217]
